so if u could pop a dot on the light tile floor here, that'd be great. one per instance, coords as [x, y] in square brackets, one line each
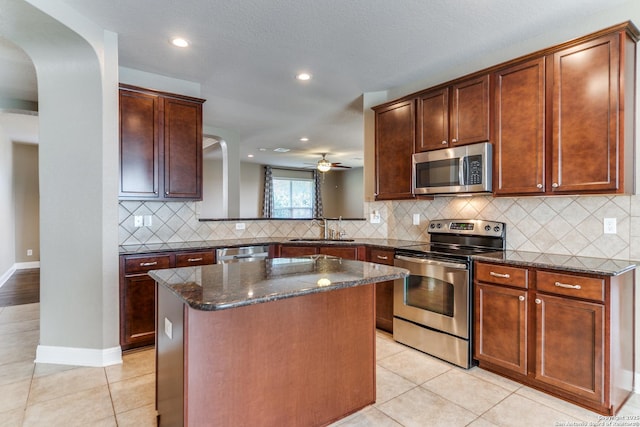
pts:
[413, 389]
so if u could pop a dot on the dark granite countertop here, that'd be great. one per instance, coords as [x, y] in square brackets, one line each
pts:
[223, 286]
[228, 243]
[577, 264]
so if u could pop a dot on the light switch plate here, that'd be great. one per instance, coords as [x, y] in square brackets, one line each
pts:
[138, 221]
[148, 220]
[416, 219]
[375, 217]
[240, 226]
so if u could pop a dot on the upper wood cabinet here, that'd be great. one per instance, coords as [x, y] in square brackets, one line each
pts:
[160, 145]
[519, 154]
[559, 118]
[454, 115]
[395, 139]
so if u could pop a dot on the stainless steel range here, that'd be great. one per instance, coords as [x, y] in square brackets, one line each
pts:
[432, 308]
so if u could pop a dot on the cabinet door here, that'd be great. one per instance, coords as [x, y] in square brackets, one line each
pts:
[501, 327]
[519, 147]
[183, 149]
[384, 291]
[140, 133]
[395, 140]
[570, 345]
[470, 111]
[586, 117]
[346, 252]
[137, 325]
[433, 120]
[287, 251]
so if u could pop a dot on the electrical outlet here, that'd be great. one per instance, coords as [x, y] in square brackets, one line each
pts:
[416, 219]
[240, 225]
[375, 217]
[148, 220]
[610, 226]
[29, 252]
[168, 328]
[138, 221]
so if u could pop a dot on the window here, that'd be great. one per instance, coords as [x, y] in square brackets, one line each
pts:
[293, 198]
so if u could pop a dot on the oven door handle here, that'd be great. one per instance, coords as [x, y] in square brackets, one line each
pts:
[453, 265]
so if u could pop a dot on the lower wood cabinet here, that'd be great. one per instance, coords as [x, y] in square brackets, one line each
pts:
[137, 292]
[347, 252]
[568, 334]
[384, 290]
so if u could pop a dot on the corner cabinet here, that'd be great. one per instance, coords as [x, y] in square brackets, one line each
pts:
[160, 145]
[567, 334]
[564, 119]
[395, 140]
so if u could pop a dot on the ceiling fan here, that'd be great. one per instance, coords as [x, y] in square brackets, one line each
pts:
[325, 165]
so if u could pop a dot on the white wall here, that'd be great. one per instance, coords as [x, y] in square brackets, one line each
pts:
[7, 219]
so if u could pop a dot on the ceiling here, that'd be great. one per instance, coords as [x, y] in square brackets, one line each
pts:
[245, 55]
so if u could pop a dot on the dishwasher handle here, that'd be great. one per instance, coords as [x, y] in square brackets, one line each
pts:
[453, 265]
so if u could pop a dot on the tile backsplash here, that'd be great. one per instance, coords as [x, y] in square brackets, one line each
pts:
[561, 225]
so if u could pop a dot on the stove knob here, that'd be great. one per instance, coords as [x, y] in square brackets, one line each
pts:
[496, 228]
[432, 225]
[439, 225]
[487, 228]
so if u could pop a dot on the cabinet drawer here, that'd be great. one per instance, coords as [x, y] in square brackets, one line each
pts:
[570, 284]
[194, 258]
[146, 263]
[381, 256]
[502, 275]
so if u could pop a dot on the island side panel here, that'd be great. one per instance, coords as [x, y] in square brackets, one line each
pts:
[169, 358]
[307, 360]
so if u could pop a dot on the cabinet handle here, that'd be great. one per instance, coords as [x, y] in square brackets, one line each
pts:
[539, 185]
[147, 264]
[453, 141]
[538, 301]
[567, 286]
[194, 259]
[382, 257]
[555, 185]
[444, 142]
[503, 276]
[521, 298]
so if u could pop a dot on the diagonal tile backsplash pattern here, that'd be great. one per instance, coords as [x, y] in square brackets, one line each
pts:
[560, 225]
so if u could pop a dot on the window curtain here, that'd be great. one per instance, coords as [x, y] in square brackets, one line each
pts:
[317, 202]
[267, 206]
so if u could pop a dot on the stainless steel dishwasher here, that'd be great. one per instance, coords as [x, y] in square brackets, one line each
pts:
[241, 254]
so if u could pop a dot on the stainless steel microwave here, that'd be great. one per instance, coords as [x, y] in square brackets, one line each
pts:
[457, 170]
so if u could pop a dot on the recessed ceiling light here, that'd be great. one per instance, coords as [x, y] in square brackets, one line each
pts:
[179, 42]
[303, 76]
[281, 150]
[249, 155]
[304, 139]
[263, 149]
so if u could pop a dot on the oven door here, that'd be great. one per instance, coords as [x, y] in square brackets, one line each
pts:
[436, 294]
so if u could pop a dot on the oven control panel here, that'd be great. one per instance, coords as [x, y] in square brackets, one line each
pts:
[475, 227]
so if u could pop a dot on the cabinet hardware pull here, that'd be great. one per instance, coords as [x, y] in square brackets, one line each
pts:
[566, 285]
[453, 141]
[521, 298]
[538, 301]
[194, 259]
[539, 185]
[444, 142]
[555, 185]
[503, 276]
[147, 264]
[382, 257]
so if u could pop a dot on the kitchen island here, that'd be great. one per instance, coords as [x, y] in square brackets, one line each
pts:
[287, 341]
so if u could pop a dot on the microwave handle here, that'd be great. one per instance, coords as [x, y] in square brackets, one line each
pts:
[461, 174]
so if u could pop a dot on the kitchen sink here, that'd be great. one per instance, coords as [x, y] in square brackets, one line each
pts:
[320, 240]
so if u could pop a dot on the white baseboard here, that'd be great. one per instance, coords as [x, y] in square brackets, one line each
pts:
[636, 384]
[78, 356]
[7, 275]
[27, 265]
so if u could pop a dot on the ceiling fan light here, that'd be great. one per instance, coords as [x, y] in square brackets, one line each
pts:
[324, 165]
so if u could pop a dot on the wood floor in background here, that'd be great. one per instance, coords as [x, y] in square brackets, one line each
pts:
[21, 288]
